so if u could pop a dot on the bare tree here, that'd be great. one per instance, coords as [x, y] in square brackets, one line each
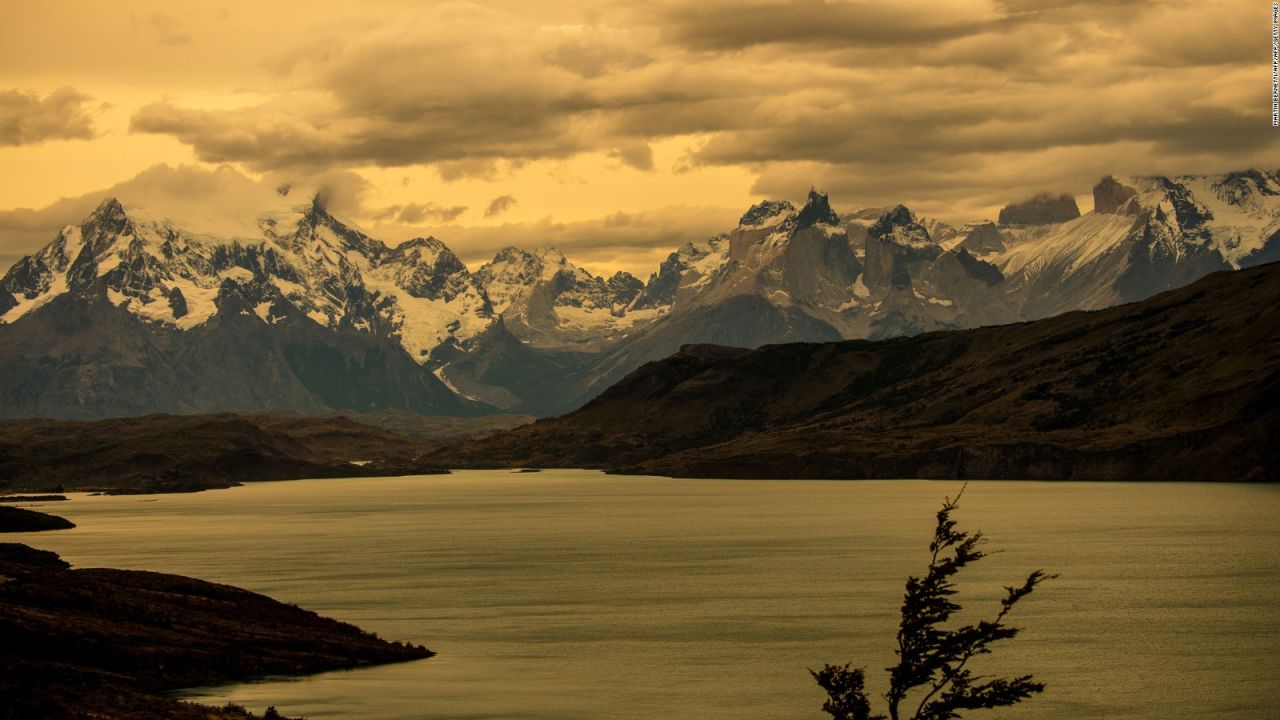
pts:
[933, 661]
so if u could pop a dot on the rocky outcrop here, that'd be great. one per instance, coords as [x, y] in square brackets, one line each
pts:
[983, 239]
[1111, 197]
[979, 269]
[1042, 209]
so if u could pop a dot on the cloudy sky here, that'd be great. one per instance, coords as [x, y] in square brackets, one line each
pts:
[615, 129]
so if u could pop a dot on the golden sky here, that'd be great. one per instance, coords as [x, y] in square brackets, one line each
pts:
[616, 129]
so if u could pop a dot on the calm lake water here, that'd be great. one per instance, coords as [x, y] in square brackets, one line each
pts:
[571, 594]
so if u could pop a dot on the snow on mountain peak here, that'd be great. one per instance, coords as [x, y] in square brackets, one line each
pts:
[329, 270]
[882, 272]
[109, 210]
[766, 213]
[546, 299]
[1237, 214]
[898, 226]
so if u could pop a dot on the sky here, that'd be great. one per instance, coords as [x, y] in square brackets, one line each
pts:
[615, 130]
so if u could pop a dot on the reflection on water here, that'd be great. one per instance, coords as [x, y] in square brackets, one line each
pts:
[572, 594]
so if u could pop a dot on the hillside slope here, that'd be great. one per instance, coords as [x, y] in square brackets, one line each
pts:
[108, 644]
[1182, 386]
[177, 453]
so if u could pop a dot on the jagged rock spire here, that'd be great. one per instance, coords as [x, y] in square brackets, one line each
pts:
[816, 211]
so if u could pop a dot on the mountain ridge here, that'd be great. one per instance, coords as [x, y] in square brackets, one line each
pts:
[1180, 386]
[314, 281]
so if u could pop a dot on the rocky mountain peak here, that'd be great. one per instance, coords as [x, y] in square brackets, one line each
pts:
[1191, 214]
[1113, 198]
[110, 216]
[109, 208]
[549, 255]
[896, 215]
[816, 211]
[426, 252]
[622, 279]
[319, 225]
[428, 242]
[1041, 209]
[766, 213]
[694, 261]
[427, 268]
[513, 254]
[983, 239]
[896, 241]
[898, 226]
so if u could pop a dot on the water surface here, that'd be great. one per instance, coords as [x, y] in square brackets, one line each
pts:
[571, 594]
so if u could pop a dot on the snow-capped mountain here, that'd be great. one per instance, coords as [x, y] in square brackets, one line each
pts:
[268, 309]
[866, 275]
[546, 300]
[787, 274]
[886, 271]
[127, 314]
[1145, 235]
[419, 293]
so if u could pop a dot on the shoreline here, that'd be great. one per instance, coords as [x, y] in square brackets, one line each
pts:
[129, 644]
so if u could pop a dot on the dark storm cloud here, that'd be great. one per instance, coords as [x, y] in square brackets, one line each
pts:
[637, 155]
[462, 92]
[595, 56]
[813, 23]
[468, 87]
[499, 205]
[971, 91]
[873, 136]
[27, 119]
[1052, 7]
[417, 213]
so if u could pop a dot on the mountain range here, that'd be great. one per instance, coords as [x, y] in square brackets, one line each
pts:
[1181, 386]
[291, 309]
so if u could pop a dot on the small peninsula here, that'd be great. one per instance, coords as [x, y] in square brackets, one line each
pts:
[102, 643]
[14, 519]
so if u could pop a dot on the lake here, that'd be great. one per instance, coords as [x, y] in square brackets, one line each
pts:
[573, 594]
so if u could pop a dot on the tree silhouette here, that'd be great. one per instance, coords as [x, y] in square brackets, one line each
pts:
[933, 660]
